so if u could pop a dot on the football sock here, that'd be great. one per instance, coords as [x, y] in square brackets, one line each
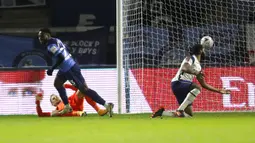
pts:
[106, 105]
[62, 94]
[167, 113]
[170, 113]
[186, 115]
[189, 99]
[94, 96]
[92, 103]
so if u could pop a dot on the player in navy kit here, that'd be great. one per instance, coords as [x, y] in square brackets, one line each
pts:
[68, 70]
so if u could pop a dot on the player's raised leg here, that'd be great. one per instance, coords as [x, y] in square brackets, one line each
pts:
[92, 103]
[58, 83]
[76, 77]
[94, 96]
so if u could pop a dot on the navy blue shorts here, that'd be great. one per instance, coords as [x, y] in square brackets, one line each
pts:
[180, 89]
[73, 75]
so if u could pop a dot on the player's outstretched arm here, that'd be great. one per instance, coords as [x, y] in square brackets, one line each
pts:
[55, 113]
[211, 88]
[39, 111]
[60, 59]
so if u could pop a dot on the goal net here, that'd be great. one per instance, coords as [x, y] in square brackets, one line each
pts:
[158, 34]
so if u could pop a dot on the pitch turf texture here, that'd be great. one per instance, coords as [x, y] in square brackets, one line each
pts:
[203, 128]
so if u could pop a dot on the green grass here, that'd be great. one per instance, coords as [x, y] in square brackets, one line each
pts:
[203, 128]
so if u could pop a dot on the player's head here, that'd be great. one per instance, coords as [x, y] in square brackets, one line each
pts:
[44, 35]
[197, 49]
[55, 100]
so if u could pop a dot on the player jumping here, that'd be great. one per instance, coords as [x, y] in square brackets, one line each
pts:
[76, 101]
[184, 89]
[68, 70]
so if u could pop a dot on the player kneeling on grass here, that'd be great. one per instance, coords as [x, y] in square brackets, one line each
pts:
[76, 101]
[184, 89]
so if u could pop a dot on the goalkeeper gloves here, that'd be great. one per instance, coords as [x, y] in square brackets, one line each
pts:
[49, 72]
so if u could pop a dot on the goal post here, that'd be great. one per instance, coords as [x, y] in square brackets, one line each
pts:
[155, 35]
[119, 49]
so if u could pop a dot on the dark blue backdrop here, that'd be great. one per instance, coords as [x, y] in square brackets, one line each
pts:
[67, 13]
[88, 47]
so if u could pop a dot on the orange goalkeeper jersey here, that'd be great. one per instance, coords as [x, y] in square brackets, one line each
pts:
[75, 102]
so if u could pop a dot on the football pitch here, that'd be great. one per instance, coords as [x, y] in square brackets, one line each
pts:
[138, 128]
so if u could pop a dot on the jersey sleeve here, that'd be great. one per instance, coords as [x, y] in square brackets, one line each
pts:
[70, 87]
[39, 111]
[54, 49]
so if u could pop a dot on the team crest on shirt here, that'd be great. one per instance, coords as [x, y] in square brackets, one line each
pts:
[53, 49]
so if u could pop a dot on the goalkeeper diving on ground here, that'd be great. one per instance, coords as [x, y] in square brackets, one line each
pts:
[183, 87]
[76, 101]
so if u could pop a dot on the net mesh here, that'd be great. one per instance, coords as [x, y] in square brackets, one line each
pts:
[158, 34]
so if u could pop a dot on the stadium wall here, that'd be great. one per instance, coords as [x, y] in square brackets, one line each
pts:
[18, 87]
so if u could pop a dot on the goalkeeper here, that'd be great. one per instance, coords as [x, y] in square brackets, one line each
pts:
[184, 89]
[76, 101]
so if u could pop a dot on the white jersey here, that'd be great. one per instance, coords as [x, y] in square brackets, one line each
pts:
[194, 63]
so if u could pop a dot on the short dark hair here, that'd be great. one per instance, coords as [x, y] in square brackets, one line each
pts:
[196, 49]
[45, 30]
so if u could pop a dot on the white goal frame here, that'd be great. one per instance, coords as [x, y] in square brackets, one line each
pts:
[120, 27]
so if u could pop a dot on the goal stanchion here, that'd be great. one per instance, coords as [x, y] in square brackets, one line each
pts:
[119, 49]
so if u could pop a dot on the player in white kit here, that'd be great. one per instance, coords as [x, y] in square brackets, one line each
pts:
[184, 89]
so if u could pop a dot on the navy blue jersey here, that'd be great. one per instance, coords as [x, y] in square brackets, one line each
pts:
[56, 47]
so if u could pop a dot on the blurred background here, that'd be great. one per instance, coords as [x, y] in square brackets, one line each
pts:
[86, 26]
